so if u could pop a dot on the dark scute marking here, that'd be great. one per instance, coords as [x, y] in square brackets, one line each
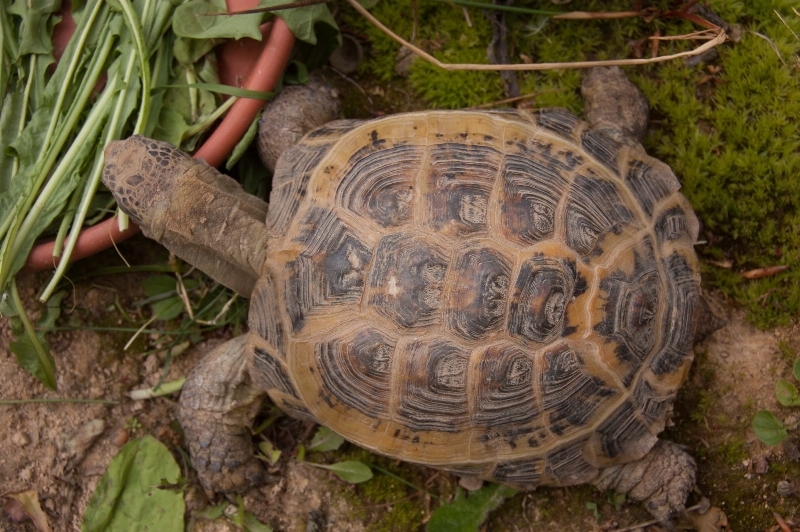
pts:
[264, 317]
[380, 184]
[594, 208]
[479, 299]
[460, 181]
[505, 397]
[435, 382]
[406, 281]
[532, 187]
[602, 147]
[521, 474]
[329, 271]
[135, 180]
[544, 288]
[623, 433]
[649, 184]
[671, 225]
[376, 142]
[679, 320]
[271, 372]
[357, 370]
[630, 310]
[292, 174]
[557, 120]
[570, 395]
[567, 466]
[652, 407]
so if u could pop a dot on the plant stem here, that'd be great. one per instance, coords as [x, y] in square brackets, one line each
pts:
[57, 400]
[484, 5]
[112, 132]
[75, 59]
[46, 362]
[157, 391]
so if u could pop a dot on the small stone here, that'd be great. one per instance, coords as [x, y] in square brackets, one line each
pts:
[746, 463]
[470, 483]
[15, 511]
[19, 439]
[120, 437]
[762, 465]
[26, 474]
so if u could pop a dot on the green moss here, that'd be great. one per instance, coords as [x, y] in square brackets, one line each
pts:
[733, 451]
[384, 503]
[732, 140]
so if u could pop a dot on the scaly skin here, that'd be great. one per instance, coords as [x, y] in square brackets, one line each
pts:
[217, 407]
[662, 479]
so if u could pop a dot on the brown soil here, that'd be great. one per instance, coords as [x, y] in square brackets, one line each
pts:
[42, 445]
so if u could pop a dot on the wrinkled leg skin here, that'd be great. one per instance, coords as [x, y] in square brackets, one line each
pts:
[217, 407]
[662, 479]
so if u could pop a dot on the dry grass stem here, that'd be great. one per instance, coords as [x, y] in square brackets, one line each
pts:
[716, 37]
[512, 100]
[603, 15]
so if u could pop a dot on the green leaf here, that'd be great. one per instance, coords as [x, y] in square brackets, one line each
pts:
[244, 143]
[30, 348]
[219, 88]
[786, 392]
[252, 524]
[592, 507]
[35, 31]
[796, 369]
[466, 514]
[168, 309]
[212, 512]
[269, 451]
[768, 428]
[351, 471]
[28, 356]
[128, 496]
[195, 19]
[158, 284]
[301, 20]
[325, 440]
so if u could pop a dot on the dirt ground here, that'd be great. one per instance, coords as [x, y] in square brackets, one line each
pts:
[47, 448]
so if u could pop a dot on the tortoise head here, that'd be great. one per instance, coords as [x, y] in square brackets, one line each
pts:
[140, 173]
[202, 216]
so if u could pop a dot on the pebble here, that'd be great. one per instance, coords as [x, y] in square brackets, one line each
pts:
[120, 438]
[19, 439]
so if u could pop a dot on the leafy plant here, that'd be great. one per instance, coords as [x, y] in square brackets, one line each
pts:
[766, 425]
[325, 440]
[467, 513]
[129, 495]
[351, 471]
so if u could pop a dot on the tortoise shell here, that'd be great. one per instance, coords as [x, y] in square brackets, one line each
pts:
[509, 295]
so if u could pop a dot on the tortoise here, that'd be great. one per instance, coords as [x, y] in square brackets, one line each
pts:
[509, 295]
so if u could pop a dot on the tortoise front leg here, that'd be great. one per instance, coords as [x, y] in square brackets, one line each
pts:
[662, 479]
[217, 407]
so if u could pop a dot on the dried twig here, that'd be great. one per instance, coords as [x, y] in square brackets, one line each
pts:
[506, 101]
[781, 522]
[716, 37]
[760, 273]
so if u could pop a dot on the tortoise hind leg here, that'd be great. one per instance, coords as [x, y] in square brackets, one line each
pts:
[662, 479]
[217, 407]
